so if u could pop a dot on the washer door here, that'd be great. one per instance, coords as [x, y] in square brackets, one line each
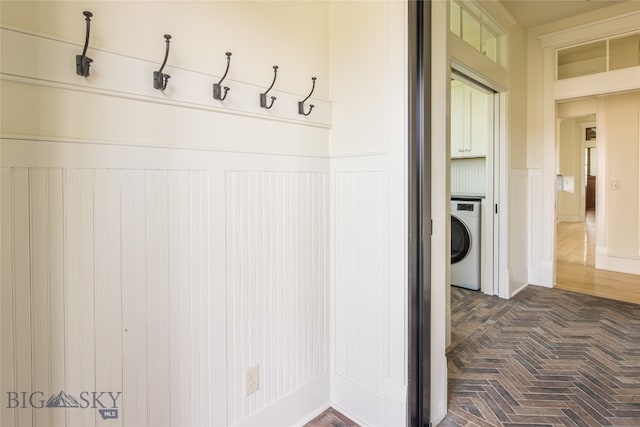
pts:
[460, 240]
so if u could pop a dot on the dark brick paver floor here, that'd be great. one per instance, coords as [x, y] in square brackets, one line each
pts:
[545, 358]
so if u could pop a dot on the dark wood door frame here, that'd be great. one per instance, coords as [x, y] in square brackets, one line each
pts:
[419, 180]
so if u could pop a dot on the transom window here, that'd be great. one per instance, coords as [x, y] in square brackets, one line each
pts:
[598, 56]
[478, 29]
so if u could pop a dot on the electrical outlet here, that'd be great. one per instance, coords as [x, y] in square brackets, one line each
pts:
[615, 185]
[252, 380]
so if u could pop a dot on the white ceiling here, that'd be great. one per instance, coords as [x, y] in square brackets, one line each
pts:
[530, 13]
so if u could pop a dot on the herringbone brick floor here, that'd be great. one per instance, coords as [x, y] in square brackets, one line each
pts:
[331, 418]
[545, 358]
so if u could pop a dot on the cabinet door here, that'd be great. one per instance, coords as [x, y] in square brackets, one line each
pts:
[481, 123]
[458, 111]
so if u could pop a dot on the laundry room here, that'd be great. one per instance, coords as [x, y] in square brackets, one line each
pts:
[472, 135]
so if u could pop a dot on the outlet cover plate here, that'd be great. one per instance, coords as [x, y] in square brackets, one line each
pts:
[252, 380]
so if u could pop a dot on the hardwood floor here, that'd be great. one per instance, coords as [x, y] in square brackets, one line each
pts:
[576, 241]
[575, 265]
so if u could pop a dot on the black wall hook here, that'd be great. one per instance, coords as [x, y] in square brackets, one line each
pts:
[301, 103]
[217, 87]
[263, 96]
[83, 62]
[159, 79]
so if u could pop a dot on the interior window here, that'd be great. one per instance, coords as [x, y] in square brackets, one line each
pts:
[582, 60]
[624, 52]
[478, 29]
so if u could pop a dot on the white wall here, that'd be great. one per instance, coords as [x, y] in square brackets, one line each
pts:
[621, 183]
[202, 32]
[368, 211]
[160, 244]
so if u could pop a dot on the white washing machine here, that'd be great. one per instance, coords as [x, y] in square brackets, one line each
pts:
[465, 243]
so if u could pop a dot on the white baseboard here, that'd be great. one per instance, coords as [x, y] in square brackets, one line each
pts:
[295, 408]
[374, 408]
[618, 263]
[518, 290]
[601, 256]
[542, 284]
[543, 275]
[518, 280]
[570, 218]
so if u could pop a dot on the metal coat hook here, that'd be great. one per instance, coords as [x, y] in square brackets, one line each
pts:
[217, 87]
[263, 96]
[159, 79]
[301, 103]
[83, 62]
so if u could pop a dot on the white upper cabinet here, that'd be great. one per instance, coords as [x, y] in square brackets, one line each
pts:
[471, 121]
[458, 122]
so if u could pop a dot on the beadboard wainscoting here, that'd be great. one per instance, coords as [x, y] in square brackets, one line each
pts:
[518, 230]
[367, 304]
[164, 284]
[362, 277]
[469, 176]
[277, 284]
[538, 267]
[108, 285]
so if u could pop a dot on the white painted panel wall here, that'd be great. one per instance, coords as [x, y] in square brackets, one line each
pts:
[140, 178]
[293, 35]
[518, 230]
[276, 284]
[534, 208]
[128, 290]
[52, 101]
[369, 211]
[91, 303]
[361, 276]
[368, 295]
[621, 183]
[360, 76]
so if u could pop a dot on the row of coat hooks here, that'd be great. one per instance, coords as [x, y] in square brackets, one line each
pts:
[160, 79]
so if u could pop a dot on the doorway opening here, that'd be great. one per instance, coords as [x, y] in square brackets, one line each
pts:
[585, 187]
[576, 198]
[475, 159]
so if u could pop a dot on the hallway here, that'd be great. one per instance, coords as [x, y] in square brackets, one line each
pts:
[575, 263]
